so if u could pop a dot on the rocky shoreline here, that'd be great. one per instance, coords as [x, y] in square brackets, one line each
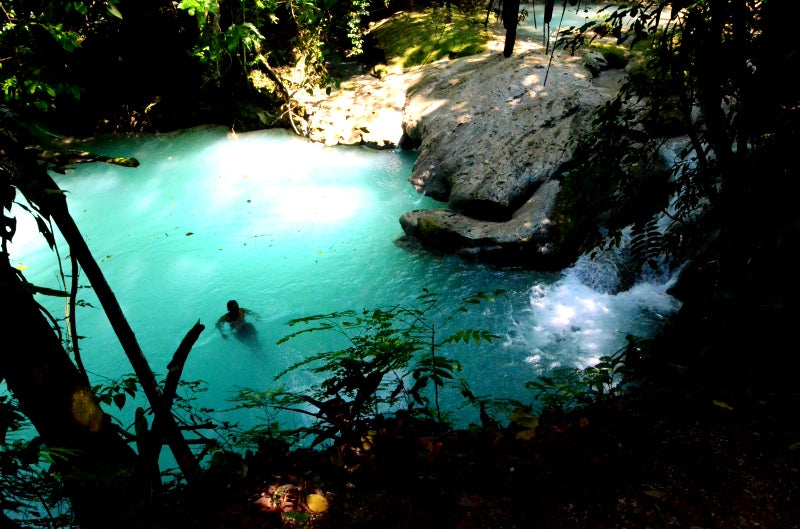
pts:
[492, 133]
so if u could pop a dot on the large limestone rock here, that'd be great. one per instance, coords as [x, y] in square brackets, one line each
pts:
[493, 137]
[527, 238]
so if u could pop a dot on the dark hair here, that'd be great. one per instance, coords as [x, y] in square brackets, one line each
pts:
[233, 306]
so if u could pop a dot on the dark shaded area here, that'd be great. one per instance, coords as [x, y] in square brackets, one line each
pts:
[136, 73]
[101, 468]
[247, 334]
[660, 457]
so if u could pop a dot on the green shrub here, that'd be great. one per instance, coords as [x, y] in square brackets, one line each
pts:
[394, 359]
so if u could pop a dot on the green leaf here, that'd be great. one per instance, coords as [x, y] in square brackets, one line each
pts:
[442, 373]
[119, 400]
[114, 10]
[723, 405]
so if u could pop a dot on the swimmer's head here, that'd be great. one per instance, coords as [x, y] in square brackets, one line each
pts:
[233, 306]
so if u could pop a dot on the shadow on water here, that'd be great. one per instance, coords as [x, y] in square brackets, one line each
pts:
[247, 334]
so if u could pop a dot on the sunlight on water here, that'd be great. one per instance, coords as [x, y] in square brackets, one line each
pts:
[291, 229]
[569, 316]
[564, 16]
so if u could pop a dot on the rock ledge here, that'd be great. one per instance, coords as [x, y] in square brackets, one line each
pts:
[493, 136]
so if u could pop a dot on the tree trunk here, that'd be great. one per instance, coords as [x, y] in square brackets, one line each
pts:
[40, 189]
[101, 478]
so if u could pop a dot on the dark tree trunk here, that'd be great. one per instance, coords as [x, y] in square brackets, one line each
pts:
[510, 21]
[40, 189]
[8, 523]
[101, 478]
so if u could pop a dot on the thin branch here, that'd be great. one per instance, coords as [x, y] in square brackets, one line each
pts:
[285, 95]
[8, 17]
[175, 365]
[73, 321]
[320, 416]
[201, 441]
[195, 427]
[60, 161]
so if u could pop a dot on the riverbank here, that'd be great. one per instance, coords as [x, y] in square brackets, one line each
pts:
[671, 457]
[493, 135]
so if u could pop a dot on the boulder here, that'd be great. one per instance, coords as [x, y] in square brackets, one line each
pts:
[595, 62]
[493, 137]
[527, 239]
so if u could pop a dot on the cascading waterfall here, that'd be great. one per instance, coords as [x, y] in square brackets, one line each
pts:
[603, 297]
[583, 315]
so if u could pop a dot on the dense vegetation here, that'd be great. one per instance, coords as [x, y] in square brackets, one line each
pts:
[156, 65]
[715, 71]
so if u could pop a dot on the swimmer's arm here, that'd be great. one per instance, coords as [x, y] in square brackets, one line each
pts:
[221, 327]
[249, 312]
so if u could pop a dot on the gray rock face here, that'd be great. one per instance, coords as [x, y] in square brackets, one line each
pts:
[492, 138]
[528, 238]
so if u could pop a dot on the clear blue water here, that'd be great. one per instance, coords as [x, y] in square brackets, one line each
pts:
[532, 28]
[290, 229]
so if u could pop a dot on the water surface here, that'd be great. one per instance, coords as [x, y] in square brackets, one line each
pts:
[289, 229]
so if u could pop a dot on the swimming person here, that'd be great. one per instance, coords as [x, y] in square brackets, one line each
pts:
[242, 330]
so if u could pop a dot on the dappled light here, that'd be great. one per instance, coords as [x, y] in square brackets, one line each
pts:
[532, 80]
[415, 38]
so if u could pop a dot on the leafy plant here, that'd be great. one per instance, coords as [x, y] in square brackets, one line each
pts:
[27, 489]
[392, 359]
[569, 388]
[188, 414]
[355, 25]
[117, 392]
[38, 40]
